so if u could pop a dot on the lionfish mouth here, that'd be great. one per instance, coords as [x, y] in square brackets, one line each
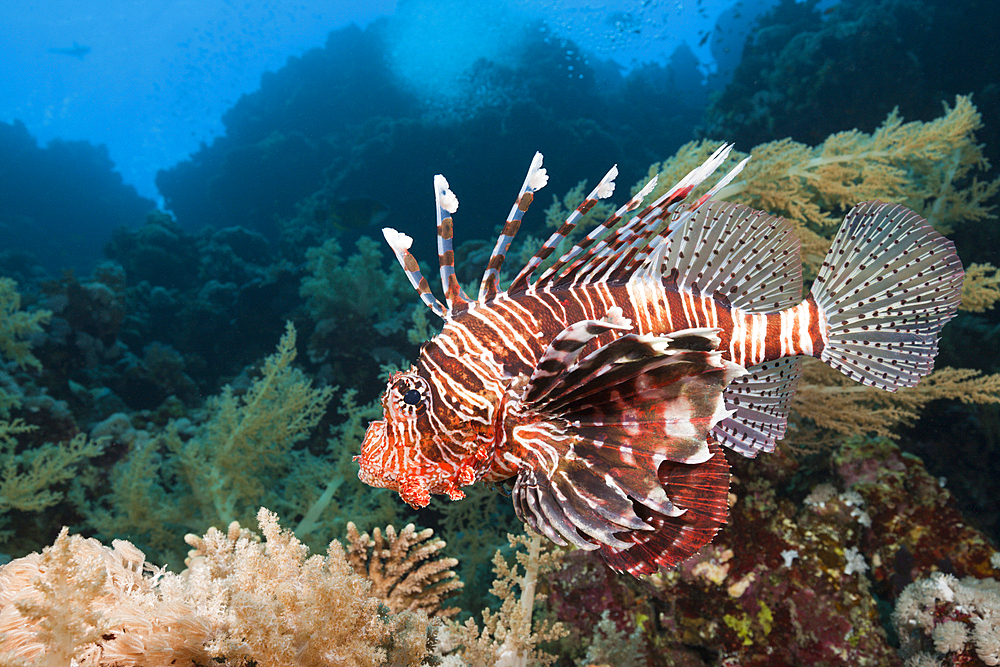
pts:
[371, 459]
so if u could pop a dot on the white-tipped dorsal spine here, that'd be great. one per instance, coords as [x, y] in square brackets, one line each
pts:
[535, 180]
[447, 203]
[400, 244]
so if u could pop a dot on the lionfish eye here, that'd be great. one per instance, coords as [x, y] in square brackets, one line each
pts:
[412, 397]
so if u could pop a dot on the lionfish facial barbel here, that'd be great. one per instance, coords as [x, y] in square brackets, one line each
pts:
[601, 387]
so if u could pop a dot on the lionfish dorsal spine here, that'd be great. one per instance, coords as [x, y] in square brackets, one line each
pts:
[609, 251]
[597, 233]
[669, 207]
[400, 244]
[605, 188]
[447, 203]
[534, 181]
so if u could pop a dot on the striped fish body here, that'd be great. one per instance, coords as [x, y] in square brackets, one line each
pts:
[601, 391]
[517, 330]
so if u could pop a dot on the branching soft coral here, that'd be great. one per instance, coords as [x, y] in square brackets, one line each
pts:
[248, 438]
[27, 477]
[405, 568]
[17, 326]
[241, 457]
[359, 284]
[241, 601]
[929, 166]
[835, 404]
[981, 288]
[509, 638]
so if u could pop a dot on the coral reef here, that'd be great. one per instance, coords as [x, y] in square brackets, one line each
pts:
[241, 456]
[806, 73]
[59, 204]
[942, 617]
[103, 377]
[240, 601]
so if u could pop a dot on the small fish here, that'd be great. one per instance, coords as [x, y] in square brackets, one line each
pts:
[357, 213]
[77, 50]
[600, 390]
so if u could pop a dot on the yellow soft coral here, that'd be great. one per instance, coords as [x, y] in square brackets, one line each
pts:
[833, 403]
[241, 457]
[17, 326]
[981, 288]
[929, 166]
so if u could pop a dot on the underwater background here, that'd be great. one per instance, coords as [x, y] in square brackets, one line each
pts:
[198, 314]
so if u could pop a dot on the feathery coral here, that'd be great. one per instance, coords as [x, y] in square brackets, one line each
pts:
[79, 602]
[834, 403]
[929, 166]
[241, 601]
[405, 568]
[16, 326]
[509, 638]
[241, 457]
[981, 288]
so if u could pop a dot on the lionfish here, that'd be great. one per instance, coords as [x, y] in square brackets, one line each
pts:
[598, 389]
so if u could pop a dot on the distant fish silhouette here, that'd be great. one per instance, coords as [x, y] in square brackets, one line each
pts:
[77, 50]
[358, 212]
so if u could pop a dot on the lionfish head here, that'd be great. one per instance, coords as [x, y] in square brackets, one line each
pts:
[402, 451]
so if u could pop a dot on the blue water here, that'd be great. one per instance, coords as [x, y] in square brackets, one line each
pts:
[156, 77]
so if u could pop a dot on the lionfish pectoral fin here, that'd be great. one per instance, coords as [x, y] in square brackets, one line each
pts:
[704, 491]
[565, 349]
[631, 414]
[652, 395]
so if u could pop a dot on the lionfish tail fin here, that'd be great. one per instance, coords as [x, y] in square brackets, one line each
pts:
[888, 285]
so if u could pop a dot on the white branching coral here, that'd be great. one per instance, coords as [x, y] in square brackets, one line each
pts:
[957, 619]
[509, 638]
[855, 562]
